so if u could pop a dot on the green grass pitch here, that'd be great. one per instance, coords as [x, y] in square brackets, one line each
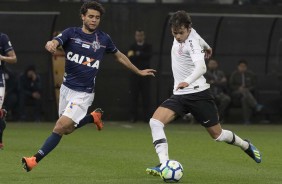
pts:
[121, 152]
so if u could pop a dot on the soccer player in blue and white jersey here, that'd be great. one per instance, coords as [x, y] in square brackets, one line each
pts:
[191, 93]
[84, 49]
[7, 55]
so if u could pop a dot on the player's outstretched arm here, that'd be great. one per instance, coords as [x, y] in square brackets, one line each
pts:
[126, 62]
[51, 46]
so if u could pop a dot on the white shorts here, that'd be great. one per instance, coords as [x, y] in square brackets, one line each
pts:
[74, 104]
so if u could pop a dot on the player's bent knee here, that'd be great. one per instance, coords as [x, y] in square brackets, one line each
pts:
[69, 130]
[62, 129]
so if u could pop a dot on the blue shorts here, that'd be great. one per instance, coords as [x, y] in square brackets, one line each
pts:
[201, 105]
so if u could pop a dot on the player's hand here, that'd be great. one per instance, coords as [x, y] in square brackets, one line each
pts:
[182, 85]
[51, 47]
[208, 53]
[147, 72]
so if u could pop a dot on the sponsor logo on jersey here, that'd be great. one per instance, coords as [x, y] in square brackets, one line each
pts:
[77, 40]
[192, 47]
[85, 46]
[95, 44]
[80, 59]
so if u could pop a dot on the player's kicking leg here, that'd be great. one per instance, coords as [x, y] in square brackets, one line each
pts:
[253, 152]
[161, 117]
[63, 126]
[160, 144]
[229, 137]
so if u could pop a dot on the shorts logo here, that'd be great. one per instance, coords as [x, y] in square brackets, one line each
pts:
[70, 107]
[72, 104]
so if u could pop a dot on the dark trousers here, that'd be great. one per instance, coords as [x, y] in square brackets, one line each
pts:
[222, 101]
[139, 89]
[248, 102]
[36, 104]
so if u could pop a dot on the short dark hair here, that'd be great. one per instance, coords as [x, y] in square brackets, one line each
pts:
[139, 29]
[179, 19]
[93, 5]
[243, 61]
[30, 68]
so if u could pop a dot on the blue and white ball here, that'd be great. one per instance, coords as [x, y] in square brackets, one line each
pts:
[171, 171]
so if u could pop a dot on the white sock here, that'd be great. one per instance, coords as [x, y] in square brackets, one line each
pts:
[231, 138]
[159, 139]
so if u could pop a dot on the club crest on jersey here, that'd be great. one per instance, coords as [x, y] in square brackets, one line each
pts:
[96, 45]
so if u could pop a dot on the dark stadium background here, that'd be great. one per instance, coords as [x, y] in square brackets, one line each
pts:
[253, 32]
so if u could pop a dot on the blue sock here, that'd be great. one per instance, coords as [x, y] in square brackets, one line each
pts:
[87, 119]
[50, 143]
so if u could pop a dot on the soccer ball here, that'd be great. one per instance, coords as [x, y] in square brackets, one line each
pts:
[171, 171]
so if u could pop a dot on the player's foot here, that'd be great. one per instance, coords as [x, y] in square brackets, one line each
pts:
[29, 163]
[253, 152]
[3, 113]
[155, 171]
[1, 146]
[97, 116]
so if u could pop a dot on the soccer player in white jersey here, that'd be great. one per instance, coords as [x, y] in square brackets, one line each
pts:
[190, 93]
[84, 47]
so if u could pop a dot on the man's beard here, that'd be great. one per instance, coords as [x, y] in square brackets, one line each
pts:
[88, 28]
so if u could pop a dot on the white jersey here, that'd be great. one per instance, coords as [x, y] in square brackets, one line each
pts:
[184, 57]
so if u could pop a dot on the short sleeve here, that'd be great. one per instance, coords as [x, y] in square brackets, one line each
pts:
[7, 46]
[111, 48]
[64, 36]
